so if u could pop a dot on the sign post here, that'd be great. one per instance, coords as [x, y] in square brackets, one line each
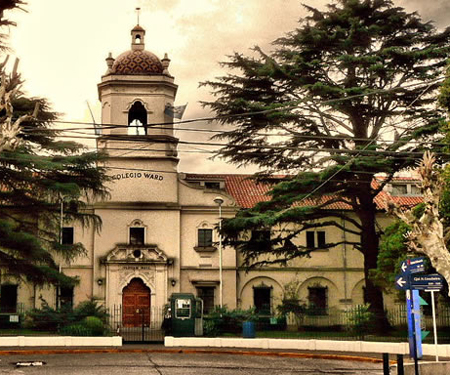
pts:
[412, 284]
[434, 325]
[403, 282]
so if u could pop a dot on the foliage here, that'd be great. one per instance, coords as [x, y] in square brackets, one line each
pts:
[222, 320]
[334, 93]
[88, 314]
[95, 325]
[360, 320]
[392, 253]
[88, 309]
[291, 303]
[47, 318]
[76, 330]
[36, 174]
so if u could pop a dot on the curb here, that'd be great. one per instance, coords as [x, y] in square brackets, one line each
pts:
[195, 351]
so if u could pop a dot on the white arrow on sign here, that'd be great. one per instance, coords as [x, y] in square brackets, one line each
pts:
[401, 283]
[404, 266]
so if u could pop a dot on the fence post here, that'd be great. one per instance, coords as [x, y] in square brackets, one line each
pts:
[385, 363]
[400, 368]
[143, 325]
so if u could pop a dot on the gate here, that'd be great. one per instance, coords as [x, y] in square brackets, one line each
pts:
[140, 325]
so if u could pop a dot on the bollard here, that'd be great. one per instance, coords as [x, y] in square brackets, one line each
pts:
[385, 363]
[400, 368]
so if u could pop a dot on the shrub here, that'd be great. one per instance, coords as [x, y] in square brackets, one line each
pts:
[360, 320]
[87, 314]
[76, 330]
[47, 318]
[95, 325]
[222, 320]
[89, 308]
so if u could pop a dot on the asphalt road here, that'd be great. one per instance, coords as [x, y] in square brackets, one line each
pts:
[180, 364]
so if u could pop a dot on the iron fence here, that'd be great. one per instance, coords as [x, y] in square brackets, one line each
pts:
[141, 325]
[397, 317]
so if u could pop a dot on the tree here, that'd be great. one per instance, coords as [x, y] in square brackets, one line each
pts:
[392, 251]
[350, 93]
[38, 173]
[427, 230]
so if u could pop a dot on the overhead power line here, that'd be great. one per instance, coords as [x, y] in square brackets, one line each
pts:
[288, 106]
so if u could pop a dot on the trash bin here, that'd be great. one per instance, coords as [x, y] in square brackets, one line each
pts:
[248, 330]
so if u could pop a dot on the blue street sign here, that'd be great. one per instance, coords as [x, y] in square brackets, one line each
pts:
[414, 265]
[417, 323]
[401, 282]
[414, 326]
[427, 282]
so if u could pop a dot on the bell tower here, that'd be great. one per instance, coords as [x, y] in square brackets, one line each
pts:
[136, 133]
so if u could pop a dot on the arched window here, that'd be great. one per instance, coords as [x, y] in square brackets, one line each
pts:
[137, 119]
[136, 235]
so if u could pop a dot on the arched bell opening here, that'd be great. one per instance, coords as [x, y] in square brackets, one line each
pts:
[137, 119]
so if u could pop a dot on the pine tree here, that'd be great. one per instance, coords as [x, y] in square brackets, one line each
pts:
[350, 93]
[38, 173]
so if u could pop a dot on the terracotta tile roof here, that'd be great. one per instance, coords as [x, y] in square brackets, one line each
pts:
[247, 192]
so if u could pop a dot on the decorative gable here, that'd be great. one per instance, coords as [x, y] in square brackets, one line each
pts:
[148, 254]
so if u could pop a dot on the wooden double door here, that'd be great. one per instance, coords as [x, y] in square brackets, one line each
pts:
[136, 304]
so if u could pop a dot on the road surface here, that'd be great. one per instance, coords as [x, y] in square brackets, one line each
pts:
[178, 364]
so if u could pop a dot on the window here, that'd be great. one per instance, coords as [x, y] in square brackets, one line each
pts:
[399, 189]
[66, 296]
[261, 238]
[182, 308]
[405, 189]
[261, 299]
[318, 299]
[137, 236]
[206, 293]
[320, 238]
[415, 190]
[67, 236]
[204, 237]
[310, 240]
[212, 185]
[315, 239]
[8, 298]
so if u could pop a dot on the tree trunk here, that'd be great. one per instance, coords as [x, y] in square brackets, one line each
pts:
[369, 244]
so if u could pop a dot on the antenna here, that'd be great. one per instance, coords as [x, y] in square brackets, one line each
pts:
[138, 11]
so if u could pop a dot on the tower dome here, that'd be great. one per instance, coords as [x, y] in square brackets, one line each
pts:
[137, 60]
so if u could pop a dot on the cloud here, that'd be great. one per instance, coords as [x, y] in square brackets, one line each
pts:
[63, 46]
[437, 11]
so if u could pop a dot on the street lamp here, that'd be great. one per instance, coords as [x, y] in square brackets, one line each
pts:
[219, 201]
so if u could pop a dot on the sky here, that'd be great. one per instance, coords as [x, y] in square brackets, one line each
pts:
[62, 46]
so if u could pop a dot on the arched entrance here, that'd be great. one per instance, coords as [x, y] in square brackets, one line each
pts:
[136, 304]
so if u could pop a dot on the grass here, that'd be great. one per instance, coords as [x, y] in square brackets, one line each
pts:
[24, 332]
[397, 335]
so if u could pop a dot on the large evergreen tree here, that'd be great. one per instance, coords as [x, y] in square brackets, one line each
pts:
[350, 93]
[38, 174]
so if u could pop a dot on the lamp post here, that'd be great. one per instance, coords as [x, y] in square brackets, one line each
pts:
[61, 224]
[219, 201]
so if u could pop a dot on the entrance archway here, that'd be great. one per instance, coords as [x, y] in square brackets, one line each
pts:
[136, 304]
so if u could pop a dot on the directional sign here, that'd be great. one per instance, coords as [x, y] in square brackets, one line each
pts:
[414, 265]
[427, 282]
[401, 282]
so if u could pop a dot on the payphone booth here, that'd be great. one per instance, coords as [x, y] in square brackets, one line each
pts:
[187, 315]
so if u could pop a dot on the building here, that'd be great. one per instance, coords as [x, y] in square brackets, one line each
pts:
[158, 234]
